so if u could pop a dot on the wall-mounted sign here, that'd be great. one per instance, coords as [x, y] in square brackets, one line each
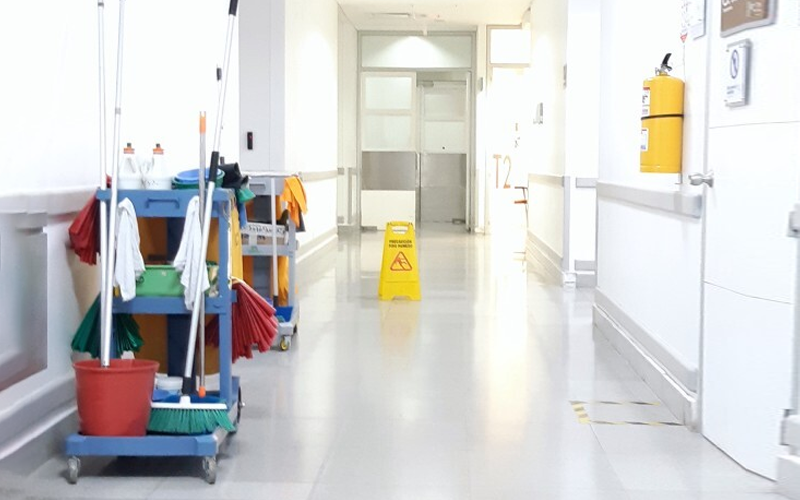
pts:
[739, 15]
[737, 74]
[693, 14]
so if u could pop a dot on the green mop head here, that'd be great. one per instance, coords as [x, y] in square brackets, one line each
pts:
[126, 333]
[189, 415]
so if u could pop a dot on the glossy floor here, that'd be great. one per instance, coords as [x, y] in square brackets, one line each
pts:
[464, 395]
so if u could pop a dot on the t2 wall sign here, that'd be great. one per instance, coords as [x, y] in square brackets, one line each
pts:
[740, 15]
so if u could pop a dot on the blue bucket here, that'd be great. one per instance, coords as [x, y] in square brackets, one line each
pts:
[284, 314]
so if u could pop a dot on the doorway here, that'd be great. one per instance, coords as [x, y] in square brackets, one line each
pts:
[416, 147]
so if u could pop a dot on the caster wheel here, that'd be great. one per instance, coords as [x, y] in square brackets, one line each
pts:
[73, 469]
[286, 343]
[239, 406]
[210, 469]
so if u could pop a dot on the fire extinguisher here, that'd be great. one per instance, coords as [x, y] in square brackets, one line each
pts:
[662, 122]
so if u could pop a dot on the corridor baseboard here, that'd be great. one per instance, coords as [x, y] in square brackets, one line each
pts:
[613, 324]
[585, 279]
[546, 261]
[313, 256]
[789, 476]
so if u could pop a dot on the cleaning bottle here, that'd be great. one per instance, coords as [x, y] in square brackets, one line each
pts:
[130, 177]
[156, 176]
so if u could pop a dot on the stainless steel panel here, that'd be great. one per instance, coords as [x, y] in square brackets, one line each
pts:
[443, 204]
[444, 170]
[443, 190]
[389, 171]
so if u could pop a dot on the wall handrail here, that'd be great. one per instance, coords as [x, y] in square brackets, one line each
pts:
[676, 202]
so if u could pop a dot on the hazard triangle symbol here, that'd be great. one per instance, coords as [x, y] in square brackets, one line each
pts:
[401, 263]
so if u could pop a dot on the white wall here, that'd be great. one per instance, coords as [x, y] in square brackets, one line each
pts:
[348, 120]
[262, 86]
[548, 57]
[547, 143]
[170, 76]
[312, 121]
[290, 74]
[631, 49]
[51, 140]
[482, 155]
[581, 138]
[49, 130]
[582, 100]
[565, 34]
[649, 262]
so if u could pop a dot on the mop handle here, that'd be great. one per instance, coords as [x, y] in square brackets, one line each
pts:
[201, 189]
[103, 167]
[105, 355]
[275, 291]
[198, 291]
[209, 202]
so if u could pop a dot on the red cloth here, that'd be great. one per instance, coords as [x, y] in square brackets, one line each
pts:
[253, 323]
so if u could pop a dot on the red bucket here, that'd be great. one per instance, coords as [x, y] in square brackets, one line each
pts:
[114, 401]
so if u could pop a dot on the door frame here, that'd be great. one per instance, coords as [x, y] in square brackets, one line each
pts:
[472, 197]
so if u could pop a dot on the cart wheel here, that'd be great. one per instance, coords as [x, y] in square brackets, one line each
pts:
[239, 406]
[286, 343]
[210, 469]
[73, 469]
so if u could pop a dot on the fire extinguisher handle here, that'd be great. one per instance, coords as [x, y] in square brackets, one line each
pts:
[665, 62]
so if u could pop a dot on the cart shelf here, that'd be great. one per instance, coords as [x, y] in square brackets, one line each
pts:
[170, 305]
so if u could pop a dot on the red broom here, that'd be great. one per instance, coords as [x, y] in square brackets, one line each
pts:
[84, 232]
[253, 323]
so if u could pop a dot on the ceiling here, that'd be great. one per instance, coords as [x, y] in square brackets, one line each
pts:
[432, 15]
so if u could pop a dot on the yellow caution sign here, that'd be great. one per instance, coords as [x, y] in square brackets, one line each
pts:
[399, 272]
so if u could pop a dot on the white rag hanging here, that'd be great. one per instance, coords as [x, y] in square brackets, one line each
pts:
[187, 261]
[129, 264]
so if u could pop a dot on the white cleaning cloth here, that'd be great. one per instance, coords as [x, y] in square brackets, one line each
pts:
[187, 261]
[129, 264]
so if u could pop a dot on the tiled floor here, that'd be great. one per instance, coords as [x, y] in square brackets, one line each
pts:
[464, 395]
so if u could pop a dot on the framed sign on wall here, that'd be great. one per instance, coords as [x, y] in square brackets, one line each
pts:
[740, 15]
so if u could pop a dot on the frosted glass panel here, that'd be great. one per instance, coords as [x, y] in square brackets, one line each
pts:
[388, 133]
[399, 51]
[510, 46]
[388, 93]
[449, 104]
[445, 137]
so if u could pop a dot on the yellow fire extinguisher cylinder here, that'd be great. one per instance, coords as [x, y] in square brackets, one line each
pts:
[662, 124]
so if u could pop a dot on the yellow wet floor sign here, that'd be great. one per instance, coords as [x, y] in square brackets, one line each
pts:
[399, 272]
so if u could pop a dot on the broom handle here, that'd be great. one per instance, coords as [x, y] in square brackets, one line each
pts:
[209, 202]
[105, 355]
[103, 167]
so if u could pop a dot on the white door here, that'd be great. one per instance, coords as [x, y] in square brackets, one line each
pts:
[749, 261]
[388, 148]
[444, 149]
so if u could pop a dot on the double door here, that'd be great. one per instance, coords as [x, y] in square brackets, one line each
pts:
[415, 148]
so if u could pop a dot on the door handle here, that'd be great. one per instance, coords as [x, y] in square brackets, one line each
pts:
[700, 179]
